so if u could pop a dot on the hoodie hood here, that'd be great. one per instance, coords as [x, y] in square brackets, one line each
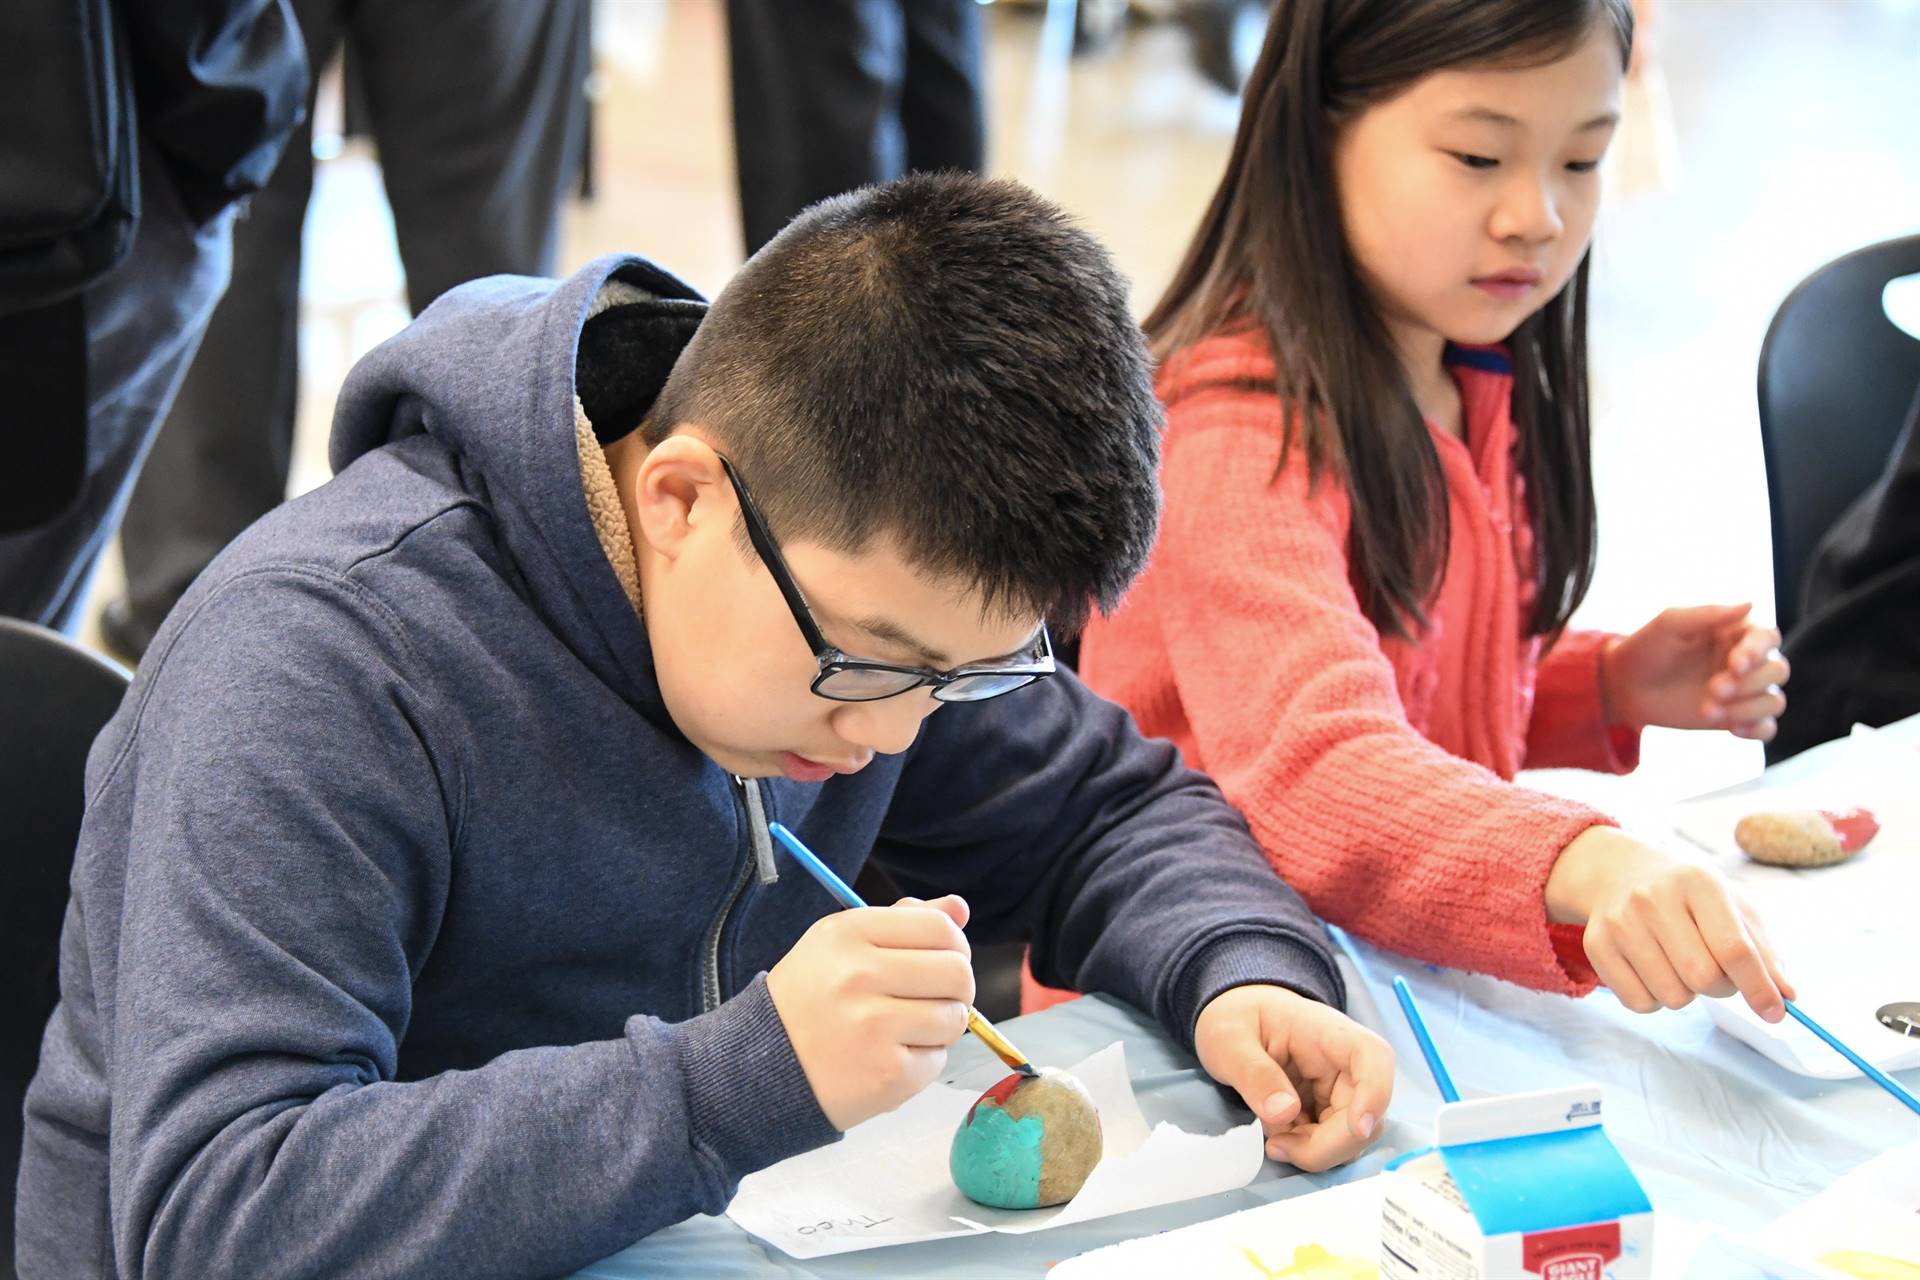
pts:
[498, 372]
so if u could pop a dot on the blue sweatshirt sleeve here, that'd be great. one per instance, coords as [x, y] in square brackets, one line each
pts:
[1129, 873]
[293, 826]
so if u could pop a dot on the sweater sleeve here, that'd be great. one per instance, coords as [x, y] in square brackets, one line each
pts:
[1296, 713]
[1568, 728]
[1127, 871]
[294, 838]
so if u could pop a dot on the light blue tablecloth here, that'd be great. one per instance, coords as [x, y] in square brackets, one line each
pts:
[1715, 1131]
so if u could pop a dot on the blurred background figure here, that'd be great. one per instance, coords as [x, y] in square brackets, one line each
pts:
[830, 95]
[478, 113]
[131, 130]
[1724, 193]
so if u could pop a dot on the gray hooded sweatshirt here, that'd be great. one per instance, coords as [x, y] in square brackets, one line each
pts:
[409, 937]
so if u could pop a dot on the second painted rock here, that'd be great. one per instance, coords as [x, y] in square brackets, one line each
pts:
[1027, 1142]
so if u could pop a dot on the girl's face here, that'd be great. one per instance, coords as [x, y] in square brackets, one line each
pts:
[1469, 198]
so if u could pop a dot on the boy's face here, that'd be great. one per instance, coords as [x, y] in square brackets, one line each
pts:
[734, 669]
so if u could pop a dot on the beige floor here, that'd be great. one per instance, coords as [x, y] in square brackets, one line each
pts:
[1771, 136]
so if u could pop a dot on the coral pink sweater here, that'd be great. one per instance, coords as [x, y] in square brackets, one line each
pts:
[1377, 774]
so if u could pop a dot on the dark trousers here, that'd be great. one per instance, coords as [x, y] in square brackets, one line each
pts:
[829, 95]
[142, 322]
[475, 107]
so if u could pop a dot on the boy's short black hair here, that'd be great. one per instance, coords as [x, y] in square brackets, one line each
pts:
[947, 360]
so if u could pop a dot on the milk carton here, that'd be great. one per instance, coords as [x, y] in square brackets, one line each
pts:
[1525, 1186]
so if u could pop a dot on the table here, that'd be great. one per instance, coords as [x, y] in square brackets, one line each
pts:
[1714, 1131]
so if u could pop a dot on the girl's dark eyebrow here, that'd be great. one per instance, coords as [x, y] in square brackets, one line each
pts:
[1487, 115]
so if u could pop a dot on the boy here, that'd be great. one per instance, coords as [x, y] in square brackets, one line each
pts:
[425, 920]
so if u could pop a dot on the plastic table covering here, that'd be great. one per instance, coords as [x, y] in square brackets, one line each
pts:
[1715, 1132]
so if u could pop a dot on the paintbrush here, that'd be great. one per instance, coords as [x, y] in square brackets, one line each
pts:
[1441, 1079]
[988, 1033]
[1872, 1073]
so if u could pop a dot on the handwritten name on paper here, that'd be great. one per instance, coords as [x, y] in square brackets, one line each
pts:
[864, 1221]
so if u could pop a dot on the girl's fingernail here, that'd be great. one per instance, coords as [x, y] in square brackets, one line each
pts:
[1275, 1104]
[1364, 1126]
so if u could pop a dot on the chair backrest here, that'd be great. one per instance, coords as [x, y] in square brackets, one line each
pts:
[1836, 380]
[54, 699]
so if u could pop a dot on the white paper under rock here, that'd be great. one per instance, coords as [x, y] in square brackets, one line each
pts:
[887, 1181]
[1845, 933]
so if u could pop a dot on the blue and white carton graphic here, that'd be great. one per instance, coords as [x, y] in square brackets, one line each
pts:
[1522, 1187]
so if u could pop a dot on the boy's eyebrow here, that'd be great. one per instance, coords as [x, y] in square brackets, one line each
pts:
[1487, 115]
[882, 628]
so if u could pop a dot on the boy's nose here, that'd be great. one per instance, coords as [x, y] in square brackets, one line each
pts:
[888, 726]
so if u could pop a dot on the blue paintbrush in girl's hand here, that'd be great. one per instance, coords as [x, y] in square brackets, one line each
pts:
[988, 1033]
[1872, 1072]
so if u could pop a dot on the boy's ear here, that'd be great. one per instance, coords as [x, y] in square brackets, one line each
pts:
[679, 490]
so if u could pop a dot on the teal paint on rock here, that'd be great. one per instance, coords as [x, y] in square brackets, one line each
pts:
[996, 1159]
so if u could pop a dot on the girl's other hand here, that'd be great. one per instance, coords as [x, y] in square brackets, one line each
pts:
[1705, 667]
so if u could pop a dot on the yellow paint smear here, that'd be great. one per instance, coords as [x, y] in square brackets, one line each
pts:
[1312, 1262]
[1862, 1265]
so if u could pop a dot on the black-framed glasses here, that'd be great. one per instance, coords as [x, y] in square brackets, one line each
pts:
[848, 679]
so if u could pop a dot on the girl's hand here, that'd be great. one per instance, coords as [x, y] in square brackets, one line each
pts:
[1319, 1081]
[1660, 931]
[1701, 668]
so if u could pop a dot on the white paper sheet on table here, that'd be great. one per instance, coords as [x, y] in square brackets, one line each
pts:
[887, 1181]
[1344, 1222]
[1846, 932]
[1873, 1210]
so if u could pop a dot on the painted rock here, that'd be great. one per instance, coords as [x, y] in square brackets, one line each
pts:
[1028, 1142]
[1804, 837]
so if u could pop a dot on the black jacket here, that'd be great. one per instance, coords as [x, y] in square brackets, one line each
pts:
[1856, 652]
[205, 93]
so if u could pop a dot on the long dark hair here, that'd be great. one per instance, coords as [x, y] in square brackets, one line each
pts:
[1271, 252]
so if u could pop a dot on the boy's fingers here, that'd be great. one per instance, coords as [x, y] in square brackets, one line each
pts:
[1259, 1080]
[951, 905]
[1369, 1072]
[1315, 1147]
[925, 928]
[928, 1024]
[918, 973]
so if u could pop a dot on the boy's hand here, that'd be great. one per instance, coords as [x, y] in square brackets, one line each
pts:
[1661, 930]
[871, 999]
[1701, 668]
[1318, 1080]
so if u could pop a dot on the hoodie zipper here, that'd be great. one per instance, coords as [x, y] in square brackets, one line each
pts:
[759, 859]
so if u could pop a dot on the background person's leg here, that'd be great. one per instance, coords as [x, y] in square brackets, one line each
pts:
[479, 113]
[221, 461]
[816, 103]
[943, 102]
[144, 321]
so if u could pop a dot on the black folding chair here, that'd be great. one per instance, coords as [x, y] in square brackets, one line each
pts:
[54, 699]
[1836, 379]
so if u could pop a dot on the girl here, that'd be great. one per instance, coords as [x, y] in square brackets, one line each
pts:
[1380, 511]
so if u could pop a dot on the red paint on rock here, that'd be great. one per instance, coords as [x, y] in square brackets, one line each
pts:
[1854, 827]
